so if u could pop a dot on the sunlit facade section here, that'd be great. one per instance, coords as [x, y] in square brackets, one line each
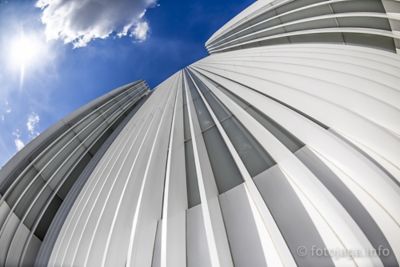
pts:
[251, 158]
[371, 23]
[37, 182]
[281, 148]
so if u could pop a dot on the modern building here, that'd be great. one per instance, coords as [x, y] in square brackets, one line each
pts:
[53, 168]
[281, 148]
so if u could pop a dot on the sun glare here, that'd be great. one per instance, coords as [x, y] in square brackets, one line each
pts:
[25, 51]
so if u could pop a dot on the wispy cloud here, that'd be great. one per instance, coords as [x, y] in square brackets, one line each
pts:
[80, 21]
[19, 144]
[5, 109]
[30, 132]
[32, 123]
[141, 31]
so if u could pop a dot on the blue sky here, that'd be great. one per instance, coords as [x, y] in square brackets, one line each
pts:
[38, 88]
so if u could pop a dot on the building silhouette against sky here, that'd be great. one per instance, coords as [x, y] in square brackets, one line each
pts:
[281, 148]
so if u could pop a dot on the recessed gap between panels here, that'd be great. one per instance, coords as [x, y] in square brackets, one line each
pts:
[349, 202]
[244, 104]
[283, 135]
[270, 181]
[275, 189]
[77, 168]
[192, 187]
[254, 157]
[225, 171]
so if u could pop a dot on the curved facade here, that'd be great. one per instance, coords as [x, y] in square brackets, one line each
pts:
[35, 183]
[373, 23]
[261, 154]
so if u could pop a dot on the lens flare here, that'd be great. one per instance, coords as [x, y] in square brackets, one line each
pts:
[25, 51]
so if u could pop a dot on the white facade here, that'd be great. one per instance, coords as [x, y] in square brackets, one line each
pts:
[40, 182]
[261, 154]
[373, 23]
[323, 122]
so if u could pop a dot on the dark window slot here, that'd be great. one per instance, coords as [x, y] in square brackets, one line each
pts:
[224, 168]
[191, 176]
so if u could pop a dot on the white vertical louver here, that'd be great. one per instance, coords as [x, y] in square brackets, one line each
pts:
[281, 148]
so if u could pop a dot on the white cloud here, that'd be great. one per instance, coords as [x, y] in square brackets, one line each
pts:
[8, 108]
[141, 31]
[80, 21]
[4, 110]
[18, 144]
[31, 124]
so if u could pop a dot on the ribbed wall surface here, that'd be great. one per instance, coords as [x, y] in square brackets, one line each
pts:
[245, 157]
[372, 23]
[37, 180]
[268, 152]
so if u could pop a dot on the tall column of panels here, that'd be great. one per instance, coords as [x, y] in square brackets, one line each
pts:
[343, 168]
[32, 195]
[248, 149]
[265, 153]
[123, 193]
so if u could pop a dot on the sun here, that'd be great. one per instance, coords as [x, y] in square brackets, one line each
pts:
[25, 51]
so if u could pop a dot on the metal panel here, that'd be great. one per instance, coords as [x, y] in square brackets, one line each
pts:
[197, 248]
[302, 141]
[244, 240]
